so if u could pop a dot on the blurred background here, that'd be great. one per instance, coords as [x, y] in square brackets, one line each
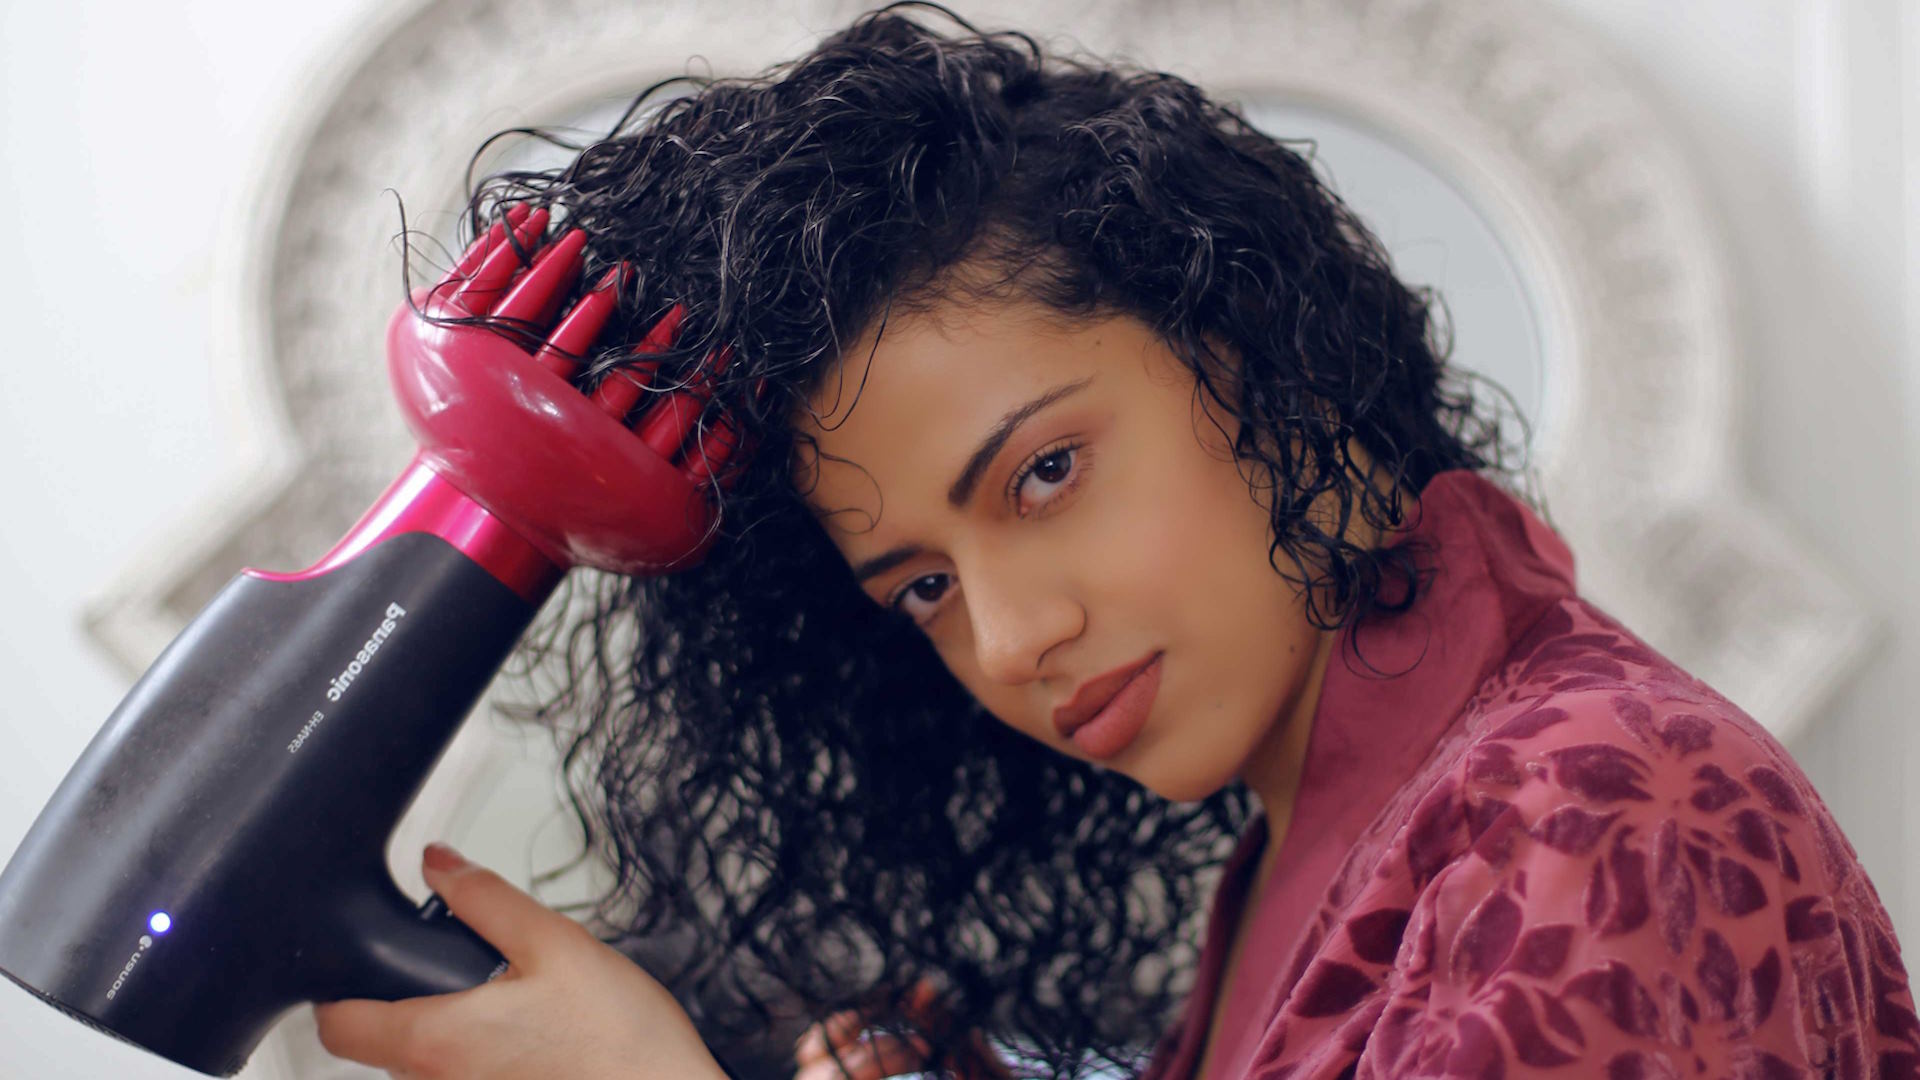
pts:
[135, 137]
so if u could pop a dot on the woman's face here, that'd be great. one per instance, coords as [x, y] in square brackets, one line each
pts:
[1050, 504]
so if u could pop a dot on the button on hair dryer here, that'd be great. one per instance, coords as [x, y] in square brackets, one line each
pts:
[216, 855]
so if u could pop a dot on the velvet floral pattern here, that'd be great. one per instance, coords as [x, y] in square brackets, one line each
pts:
[1600, 868]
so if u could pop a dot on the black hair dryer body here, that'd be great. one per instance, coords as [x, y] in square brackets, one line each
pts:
[218, 853]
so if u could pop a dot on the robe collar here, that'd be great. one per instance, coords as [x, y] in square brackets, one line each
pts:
[1395, 688]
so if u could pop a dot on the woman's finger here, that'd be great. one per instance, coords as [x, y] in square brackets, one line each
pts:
[522, 928]
[924, 1000]
[987, 1064]
[896, 1054]
[873, 1057]
[369, 1032]
[840, 1029]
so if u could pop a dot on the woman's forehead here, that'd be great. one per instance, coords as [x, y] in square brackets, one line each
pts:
[893, 416]
[906, 417]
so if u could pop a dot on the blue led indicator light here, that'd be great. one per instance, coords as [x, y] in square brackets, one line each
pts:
[160, 922]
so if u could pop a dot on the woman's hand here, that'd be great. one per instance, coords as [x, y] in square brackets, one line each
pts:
[568, 1004]
[877, 1055]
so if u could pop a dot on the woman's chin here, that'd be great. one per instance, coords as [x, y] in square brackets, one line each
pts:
[1192, 783]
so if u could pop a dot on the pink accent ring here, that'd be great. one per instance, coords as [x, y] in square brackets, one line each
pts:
[422, 501]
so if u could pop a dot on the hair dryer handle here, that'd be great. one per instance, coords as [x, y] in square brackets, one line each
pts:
[393, 949]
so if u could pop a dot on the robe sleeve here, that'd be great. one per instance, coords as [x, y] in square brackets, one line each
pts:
[1629, 886]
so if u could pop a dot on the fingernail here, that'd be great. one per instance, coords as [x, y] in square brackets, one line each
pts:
[443, 858]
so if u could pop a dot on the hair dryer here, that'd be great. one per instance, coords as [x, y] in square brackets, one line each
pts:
[216, 855]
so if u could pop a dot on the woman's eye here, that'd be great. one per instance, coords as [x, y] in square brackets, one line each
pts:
[1047, 476]
[1058, 471]
[918, 589]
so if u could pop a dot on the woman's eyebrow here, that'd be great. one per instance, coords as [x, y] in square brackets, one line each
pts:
[962, 490]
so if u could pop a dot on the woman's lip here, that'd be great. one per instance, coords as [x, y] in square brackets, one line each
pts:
[1095, 694]
[1116, 725]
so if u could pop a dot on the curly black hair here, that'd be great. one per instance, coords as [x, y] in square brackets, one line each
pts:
[785, 775]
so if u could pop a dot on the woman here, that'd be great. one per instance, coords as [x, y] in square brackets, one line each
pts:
[1112, 506]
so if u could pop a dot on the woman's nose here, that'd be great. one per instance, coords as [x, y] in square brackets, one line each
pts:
[1018, 615]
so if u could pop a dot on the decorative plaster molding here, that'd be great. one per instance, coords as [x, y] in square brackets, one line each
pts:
[1575, 170]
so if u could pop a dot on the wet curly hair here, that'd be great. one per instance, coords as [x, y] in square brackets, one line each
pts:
[803, 810]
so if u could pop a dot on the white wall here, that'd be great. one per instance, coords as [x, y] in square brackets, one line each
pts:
[123, 125]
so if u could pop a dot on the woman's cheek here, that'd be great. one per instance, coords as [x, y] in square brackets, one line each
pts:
[1148, 538]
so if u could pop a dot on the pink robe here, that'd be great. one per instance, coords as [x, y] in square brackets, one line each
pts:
[1544, 850]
